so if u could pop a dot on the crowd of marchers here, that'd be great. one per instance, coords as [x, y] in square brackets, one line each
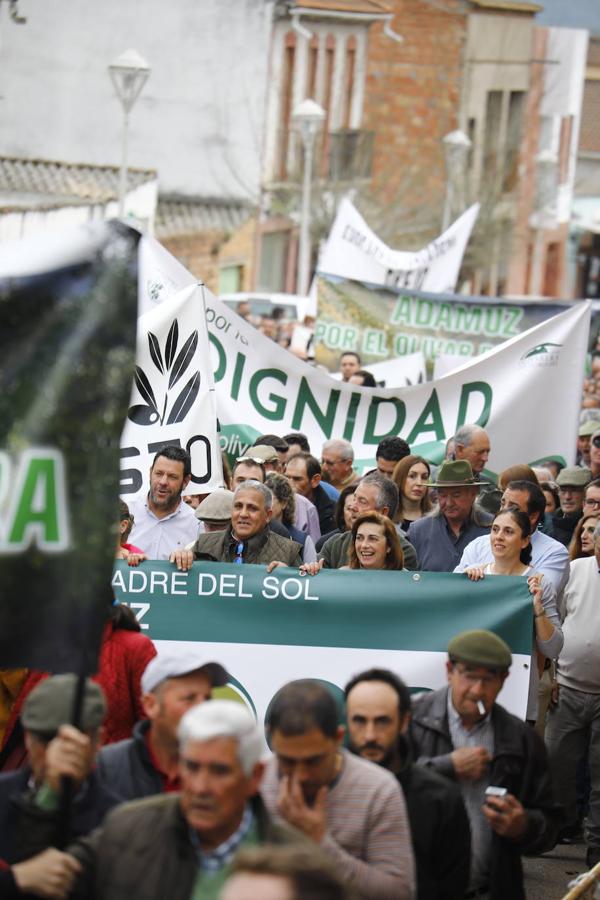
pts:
[435, 795]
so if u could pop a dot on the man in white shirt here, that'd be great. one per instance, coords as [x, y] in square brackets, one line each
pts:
[162, 521]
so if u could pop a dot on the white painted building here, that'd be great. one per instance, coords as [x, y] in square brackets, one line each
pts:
[199, 121]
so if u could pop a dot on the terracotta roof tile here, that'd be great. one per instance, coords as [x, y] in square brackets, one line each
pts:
[364, 7]
[177, 215]
[62, 182]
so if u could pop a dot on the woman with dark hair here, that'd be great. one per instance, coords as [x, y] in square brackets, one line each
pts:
[550, 490]
[375, 544]
[582, 543]
[284, 510]
[342, 515]
[410, 476]
[363, 378]
[510, 539]
[124, 654]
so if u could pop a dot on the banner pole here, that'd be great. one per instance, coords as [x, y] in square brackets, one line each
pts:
[67, 783]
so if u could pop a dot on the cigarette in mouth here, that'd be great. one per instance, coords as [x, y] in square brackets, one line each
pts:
[481, 708]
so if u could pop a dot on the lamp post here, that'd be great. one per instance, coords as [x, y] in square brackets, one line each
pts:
[456, 149]
[129, 73]
[308, 118]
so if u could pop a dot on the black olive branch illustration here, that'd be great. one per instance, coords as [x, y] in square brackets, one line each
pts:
[176, 365]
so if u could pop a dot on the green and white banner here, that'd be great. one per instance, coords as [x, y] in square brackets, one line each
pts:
[262, 388]
[353, 250]
[269, 629]
[449, 328]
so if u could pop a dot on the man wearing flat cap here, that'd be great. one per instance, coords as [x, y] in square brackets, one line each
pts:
[584, 442]
[148, 763]
[269, 455]
[440, 539]
[572, 482]
[215, 510]
[56, 750]
[462, 733]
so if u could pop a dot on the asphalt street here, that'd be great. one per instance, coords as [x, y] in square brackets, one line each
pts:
[547, 877]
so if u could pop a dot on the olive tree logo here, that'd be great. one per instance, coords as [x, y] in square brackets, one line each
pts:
[540, 348]
[175, 365]
[544, 355]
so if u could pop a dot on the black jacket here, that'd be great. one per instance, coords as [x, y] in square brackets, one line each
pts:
[12, 786]
[325, 508]
[126, 766]
[441, 833]
[520, 764]
[27, 830]
[562, 525]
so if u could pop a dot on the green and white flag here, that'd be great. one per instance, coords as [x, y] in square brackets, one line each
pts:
[269, 629]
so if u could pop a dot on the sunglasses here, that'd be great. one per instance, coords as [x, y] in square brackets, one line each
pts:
[596, 441]
[239, 551]
[251, 459]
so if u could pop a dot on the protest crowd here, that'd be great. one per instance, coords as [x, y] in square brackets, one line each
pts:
[432, 795]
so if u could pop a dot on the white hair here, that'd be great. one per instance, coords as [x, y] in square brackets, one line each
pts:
[542, 473]
[466, 433]
[251, 485]
[223, 719]
[344, 449]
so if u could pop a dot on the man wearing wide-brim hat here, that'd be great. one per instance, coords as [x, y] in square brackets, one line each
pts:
[441, 537]
[462, 733]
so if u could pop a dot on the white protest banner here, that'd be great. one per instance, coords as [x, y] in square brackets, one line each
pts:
[353, 251]
[173, 397]
[160, 275]
[261, 388]
[268, 629]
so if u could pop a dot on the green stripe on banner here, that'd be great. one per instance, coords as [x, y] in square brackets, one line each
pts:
[220, 602]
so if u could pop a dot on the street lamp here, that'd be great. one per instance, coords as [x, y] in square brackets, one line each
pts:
[129, 73]
[456, 150]
[307, 118]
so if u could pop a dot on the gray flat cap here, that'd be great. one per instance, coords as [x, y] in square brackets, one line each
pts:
[216, 507]
[50, 705]
[574, 476]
